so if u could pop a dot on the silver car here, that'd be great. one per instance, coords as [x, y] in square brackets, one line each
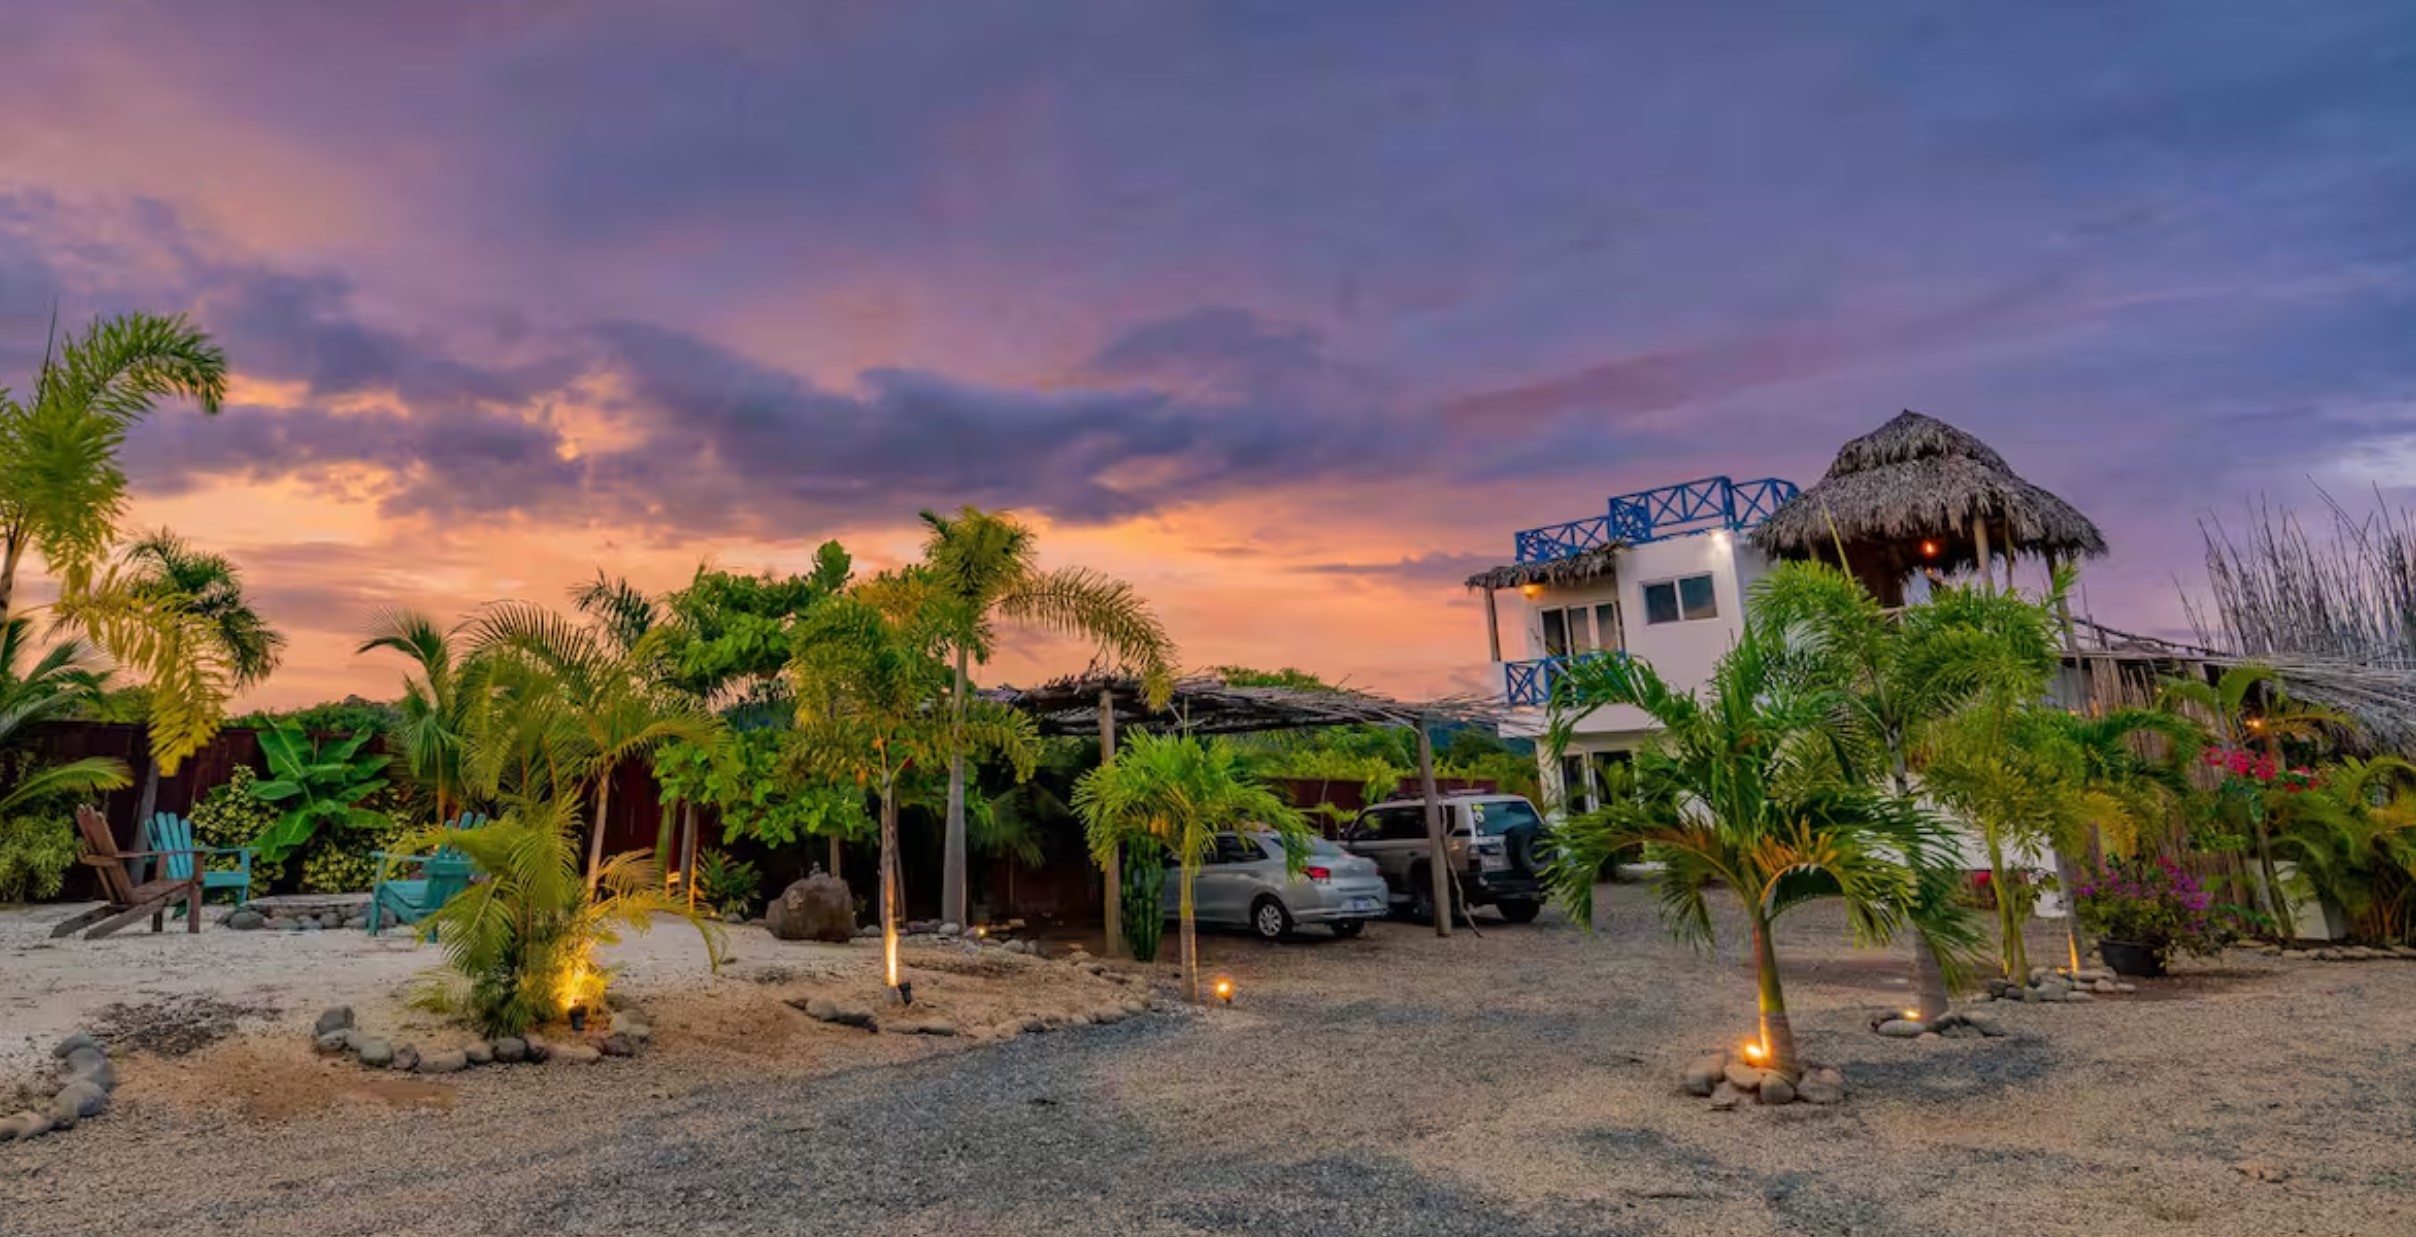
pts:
[1242, 884]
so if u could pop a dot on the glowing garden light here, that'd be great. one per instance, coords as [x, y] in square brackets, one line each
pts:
[1224, 989]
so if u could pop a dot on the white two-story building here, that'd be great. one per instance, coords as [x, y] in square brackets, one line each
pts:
[1660, 575]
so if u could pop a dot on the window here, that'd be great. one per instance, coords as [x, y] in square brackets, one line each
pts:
[1581, 629]
[1573, 784]
[1496, 818]
[1396, 824]
[1234, 848]
[1686, 598]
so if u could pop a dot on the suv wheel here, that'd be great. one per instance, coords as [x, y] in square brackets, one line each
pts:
[1421, 896]
[1270, 920]
[1519, 910]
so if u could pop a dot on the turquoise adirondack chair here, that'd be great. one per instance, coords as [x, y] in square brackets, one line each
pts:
[442, 873]
[172, 837]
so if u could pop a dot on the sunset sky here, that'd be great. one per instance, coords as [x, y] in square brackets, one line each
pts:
[1289, 312]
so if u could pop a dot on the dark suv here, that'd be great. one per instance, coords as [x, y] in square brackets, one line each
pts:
[1491, 841]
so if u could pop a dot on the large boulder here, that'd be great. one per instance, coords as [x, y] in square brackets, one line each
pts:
[818, 908]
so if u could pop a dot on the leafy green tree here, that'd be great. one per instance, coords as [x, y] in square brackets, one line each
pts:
[2119, 790]
[315, 786]
[988, 564]
[745, 776]
[1176, 793]
[2247, 708]
[871, 690]
[61, 489]
[525, 937]
[1739, 791]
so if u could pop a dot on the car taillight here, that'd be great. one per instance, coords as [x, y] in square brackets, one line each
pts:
[1320, 875]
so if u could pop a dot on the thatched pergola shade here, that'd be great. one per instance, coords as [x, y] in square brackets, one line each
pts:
[1907, 495]
[1206, 704]
[1590, 564]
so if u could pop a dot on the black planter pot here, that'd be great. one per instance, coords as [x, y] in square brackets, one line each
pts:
[2137, 961]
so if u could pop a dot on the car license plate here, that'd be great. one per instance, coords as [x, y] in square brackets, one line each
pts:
[1366, 904]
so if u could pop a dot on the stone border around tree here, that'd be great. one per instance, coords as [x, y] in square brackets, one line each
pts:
[1728, 1083]
[87, 1080]
[337, 1034]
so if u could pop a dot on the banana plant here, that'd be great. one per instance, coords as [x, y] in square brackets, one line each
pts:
[315, 785]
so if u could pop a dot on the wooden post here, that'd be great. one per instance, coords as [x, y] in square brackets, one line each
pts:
[1438, 863]
[1493, 626]
[1988, 578]
[1112, 872]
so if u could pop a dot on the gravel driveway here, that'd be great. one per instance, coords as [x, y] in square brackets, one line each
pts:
[1519, 1083]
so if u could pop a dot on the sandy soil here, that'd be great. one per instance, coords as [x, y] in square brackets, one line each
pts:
[1524, 1082]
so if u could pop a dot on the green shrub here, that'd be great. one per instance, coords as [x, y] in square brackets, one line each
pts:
[229, 816]
[1144, 899]
[338, 860]
[726, 885]
[35, 853]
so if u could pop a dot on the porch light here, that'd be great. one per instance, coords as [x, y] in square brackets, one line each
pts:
[1531, 591]
[1929, 549]
[1224, 989]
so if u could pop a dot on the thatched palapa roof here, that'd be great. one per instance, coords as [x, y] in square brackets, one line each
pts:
[1905, 496]
[1588, 564]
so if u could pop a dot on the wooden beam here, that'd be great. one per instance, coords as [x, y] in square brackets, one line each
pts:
[1988, 577]
[1438, 863]
[1493, 626]
[1112, 872]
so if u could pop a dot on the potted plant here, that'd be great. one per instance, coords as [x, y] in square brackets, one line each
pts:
[2143, 911]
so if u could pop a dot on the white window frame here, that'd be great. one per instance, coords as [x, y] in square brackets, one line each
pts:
[1677, 594]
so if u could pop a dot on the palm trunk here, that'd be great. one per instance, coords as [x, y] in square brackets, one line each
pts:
[1931, 999]
[889, 886]
[144, 804]
[1112, 871]
[1190, 939]
[2072, 942]
[688, 853]
[1778, 1036]
[2284, 925]
[952, 852]
[2011, 953]
[665, 835]
[595, 839]
[834, 855]
[9, 559]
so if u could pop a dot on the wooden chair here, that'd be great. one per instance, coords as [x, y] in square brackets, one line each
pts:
[128, 900]
[443, 873]
[172, 834]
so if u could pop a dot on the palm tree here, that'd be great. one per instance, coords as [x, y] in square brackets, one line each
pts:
[2352, 834]
[178, 617]
[436, 705]
[58, 683]
[2237, 720]
[1179, 792]
[988, 563]
[525, 937]
[1739, 791]
[2120, 789]
[869, 683]
[61, 489]
[1895, 679]
[564, 704]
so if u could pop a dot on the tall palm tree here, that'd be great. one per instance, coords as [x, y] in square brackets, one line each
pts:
[870, 685]
[207, 590]
[436, 705]
[1739, 791]
[61, 490]
[565, 704]
[988, 563]
[2247, 707]
[2120, 788]
[1179, 792]
[1895, 679]
[63, 679]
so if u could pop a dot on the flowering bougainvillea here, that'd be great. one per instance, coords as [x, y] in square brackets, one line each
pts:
[2150, 902]
[2261, 768]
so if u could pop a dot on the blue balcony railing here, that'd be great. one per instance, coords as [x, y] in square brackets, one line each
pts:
[1528, 684]
[1650, 515]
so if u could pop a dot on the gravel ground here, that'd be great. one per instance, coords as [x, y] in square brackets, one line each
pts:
[1522, 1083]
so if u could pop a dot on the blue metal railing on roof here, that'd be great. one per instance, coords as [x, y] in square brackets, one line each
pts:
[1650, 515]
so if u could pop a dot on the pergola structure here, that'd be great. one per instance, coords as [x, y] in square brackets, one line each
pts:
[1100, 701]
[1917, 494]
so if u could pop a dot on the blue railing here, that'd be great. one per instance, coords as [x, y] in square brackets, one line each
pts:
[1650, 515]
[1529, 683]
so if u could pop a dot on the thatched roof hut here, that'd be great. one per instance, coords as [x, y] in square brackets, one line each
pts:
[1590, 564]
[1917, 494]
